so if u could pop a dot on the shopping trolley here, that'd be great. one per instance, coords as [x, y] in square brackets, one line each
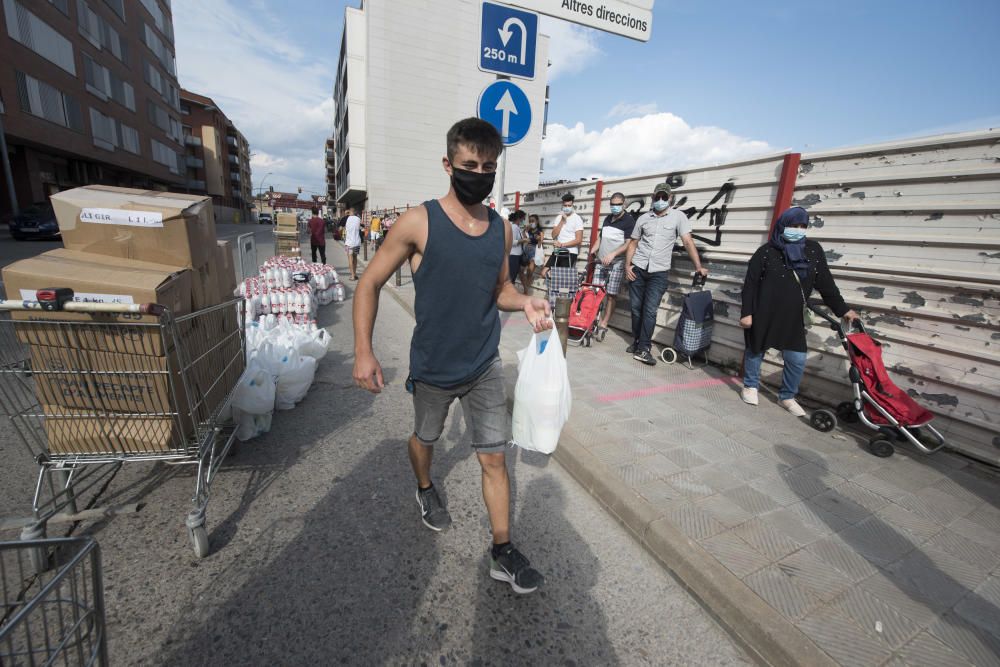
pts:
[52, 603]
[90, 386]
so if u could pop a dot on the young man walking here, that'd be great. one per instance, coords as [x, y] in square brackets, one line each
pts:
[647, 263]
[352, 240]
[610, 249]
[317, 236]
[458, 250]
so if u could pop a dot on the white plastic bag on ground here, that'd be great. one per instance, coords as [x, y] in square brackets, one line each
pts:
[294, 380]
[253, 402]
[542, 396]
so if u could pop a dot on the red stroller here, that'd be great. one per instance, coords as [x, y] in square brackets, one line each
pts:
[584, 314]
[878, 403]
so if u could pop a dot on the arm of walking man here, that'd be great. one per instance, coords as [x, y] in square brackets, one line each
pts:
[400, 246]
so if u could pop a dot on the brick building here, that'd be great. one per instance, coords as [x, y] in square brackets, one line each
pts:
[89, 94]
[216, 158]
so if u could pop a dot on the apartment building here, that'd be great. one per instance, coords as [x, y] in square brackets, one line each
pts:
[399, 88]
[216, 158]
[88, 94]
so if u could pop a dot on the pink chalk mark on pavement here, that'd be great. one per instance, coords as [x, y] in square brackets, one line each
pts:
[666, 389]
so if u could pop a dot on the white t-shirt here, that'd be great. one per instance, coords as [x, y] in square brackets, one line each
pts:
[353, 232]
[574, 224]
[515, 236]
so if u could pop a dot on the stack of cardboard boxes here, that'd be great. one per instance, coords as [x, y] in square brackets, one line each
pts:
[286, 235]
[117, 382]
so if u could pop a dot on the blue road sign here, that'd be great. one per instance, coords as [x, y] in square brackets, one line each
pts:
[508, 41]
[505, 106]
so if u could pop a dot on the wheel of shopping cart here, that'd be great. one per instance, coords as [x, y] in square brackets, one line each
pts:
[881, 448]
[845, 412]
[668, 355]
[823, 420]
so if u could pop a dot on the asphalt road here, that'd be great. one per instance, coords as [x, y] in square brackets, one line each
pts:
[319, 555]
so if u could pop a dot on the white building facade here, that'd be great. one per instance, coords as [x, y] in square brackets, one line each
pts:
[407, 71]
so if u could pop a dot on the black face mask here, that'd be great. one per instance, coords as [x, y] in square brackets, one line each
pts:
[471, 187]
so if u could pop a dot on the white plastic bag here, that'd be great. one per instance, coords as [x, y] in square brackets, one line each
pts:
[255, 391]
[294, 380]
[249, 426]
[315, 343]
[542, 396]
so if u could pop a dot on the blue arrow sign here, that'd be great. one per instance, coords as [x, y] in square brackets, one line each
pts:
[505, 106]
[508, 41]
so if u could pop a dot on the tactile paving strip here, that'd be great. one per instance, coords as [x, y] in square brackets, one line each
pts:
[927, 651]
[751, 500]
[813, 574]
[977, 645]
[694, 522]
[834, 552]
[877, 541]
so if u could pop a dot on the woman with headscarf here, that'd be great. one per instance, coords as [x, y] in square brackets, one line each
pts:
[780, 277]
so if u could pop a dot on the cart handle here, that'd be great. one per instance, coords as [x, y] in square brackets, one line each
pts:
[82, 307]
[814, 305]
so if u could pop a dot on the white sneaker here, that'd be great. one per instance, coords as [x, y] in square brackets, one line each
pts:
[792, 406]
[749, 395]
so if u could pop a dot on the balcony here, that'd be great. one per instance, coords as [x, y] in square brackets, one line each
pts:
[231, 141]
[234, 176]
[196, 185]
[192, 140]
[195, 162]
[330, 154]
[233, 159]
[237, 194]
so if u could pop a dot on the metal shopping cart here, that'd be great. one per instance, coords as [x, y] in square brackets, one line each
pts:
[52, 615]
[90, 386]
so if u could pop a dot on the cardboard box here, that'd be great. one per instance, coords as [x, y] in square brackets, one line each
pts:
[78, 432]
[228, 280]
[205, 285]
[99, 279]
[147, 225]
[287, 222]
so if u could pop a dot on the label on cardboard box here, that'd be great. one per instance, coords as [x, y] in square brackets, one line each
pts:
[116, 216]
[83, 297]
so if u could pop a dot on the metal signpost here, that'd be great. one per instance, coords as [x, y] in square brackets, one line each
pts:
[508, 40]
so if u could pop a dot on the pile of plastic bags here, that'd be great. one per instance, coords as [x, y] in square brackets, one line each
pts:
[281, 366]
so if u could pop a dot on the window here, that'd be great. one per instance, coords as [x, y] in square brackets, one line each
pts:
[165, 156]
[152, 76]
[117, 6]
[130, 138]
[186, 109]
[161, 52]
[105, 130]
[154, 10]
[122, 92]
[34, 33]
[97, 78]
[61, 5]
[40, 99]
[99, 32]
[159, 117]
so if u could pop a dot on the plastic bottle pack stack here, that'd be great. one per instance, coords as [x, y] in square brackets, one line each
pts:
[291, 289]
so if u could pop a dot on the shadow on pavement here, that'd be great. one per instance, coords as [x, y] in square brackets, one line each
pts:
[909, 569]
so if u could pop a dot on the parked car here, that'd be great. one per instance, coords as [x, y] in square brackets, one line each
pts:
[265, 219]
[37, 221]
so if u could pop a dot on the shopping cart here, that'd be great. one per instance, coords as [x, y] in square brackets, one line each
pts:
[52, 615]
[90, 386]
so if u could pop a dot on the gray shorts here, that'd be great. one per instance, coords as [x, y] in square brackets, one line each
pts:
[483, 402]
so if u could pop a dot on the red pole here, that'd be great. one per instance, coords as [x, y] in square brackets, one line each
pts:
[786, 186]
[517, 200]
[595, 223]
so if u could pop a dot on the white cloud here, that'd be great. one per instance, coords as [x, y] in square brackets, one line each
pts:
[627, 110]
[653, 143]
[277, 93]
[572, 48]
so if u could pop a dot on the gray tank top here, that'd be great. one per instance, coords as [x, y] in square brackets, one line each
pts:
[458, 326]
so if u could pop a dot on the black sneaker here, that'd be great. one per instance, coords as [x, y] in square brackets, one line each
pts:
[630, 349]
[511, 566]
[645, 357]
[432, 510]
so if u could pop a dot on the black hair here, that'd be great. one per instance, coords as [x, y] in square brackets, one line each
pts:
[618, 194]
[568, 197]
[315, 210]
[517, 215]
[478, 135]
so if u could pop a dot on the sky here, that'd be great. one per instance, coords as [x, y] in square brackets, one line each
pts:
[717, 81]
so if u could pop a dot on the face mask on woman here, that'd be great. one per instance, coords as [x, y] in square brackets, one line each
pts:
[794, 234]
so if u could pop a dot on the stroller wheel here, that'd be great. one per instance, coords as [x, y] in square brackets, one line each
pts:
[668, 355]
[881, 448]
[823, 420]
[601, 333]
[587, 340]
[845, 411]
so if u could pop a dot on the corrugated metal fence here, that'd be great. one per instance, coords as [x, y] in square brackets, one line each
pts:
[912, 233]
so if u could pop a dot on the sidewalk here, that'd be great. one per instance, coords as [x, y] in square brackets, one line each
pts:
[806, 547]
